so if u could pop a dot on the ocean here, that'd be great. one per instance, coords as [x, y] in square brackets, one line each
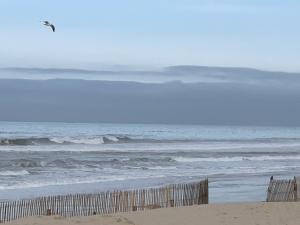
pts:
[38, 159]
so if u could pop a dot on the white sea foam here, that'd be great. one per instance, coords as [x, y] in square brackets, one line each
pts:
[237, 159]
[14, 173]
[92, 141]
[78, 181]
[112, 138]
[162, 168]
[97, 140]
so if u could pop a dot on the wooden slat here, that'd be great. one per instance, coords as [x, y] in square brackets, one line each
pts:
[282, 190]
[119, 201]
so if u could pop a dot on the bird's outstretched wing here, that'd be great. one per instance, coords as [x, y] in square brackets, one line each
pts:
[53, 27]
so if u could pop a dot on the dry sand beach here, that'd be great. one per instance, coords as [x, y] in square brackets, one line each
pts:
[213, 214]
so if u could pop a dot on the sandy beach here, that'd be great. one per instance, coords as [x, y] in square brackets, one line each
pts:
[213, 214]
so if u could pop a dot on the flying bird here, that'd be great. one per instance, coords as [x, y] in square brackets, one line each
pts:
[46, 23]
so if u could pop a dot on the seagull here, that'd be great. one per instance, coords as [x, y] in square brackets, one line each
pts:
[46, 23]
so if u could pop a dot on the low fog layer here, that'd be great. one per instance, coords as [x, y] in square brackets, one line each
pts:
[186, 74]
[267, 101]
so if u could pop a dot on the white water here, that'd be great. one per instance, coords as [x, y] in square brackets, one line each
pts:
[56, 158]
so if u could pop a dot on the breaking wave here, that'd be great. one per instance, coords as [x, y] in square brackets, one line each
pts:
[14, 173]
[105, 139]
[113, 139]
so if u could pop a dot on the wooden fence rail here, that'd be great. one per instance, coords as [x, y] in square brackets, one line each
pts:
[282, 190]
[107, 202]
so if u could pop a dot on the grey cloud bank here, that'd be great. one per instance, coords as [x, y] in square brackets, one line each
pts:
[197, 95]
[185, 74]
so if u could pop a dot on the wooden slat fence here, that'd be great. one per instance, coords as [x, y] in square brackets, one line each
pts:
[282, 190]
[107, 202]
[298, 187]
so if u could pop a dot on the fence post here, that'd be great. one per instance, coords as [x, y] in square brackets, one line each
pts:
[269, 190]
[200, 197]
[171, 195]
[206, 191]
[48, 212]
[172, 203]
[295, 189]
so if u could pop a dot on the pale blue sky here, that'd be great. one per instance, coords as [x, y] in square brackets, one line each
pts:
[91, 33]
